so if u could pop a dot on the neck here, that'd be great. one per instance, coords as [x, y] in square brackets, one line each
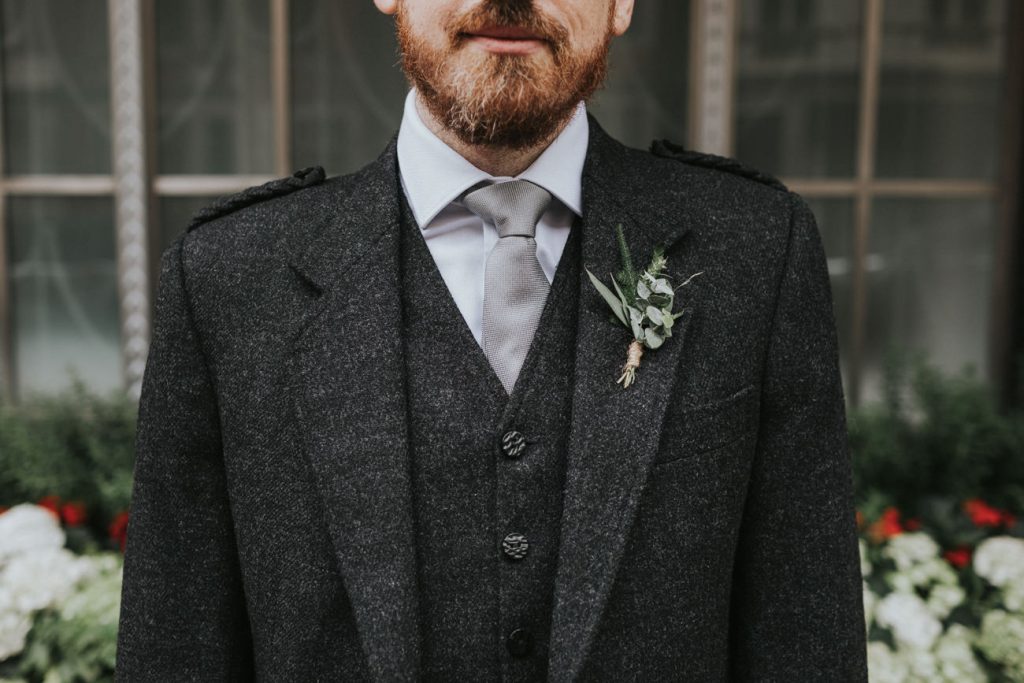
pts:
[496, 160]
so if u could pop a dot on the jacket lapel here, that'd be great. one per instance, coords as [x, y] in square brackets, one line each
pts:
[614, 432]
[349, 399]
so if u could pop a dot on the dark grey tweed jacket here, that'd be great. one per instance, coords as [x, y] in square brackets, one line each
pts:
[708, 525]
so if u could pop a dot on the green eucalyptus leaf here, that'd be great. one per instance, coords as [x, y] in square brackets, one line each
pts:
[652, 339]
[654, 314]
[642, 290]
[616, 304]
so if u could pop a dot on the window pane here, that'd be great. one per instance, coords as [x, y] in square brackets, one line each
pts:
[797, 90]
[942, 73]
[63, 278]
[175, 215]
[835, 223]
[347, 87]
[646, 91]
[213, 87]
[56, 83]
[930, 270]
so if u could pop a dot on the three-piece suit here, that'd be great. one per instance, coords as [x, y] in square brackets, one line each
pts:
[332, 484]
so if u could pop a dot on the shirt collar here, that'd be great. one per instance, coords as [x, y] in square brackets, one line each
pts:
[434, 175]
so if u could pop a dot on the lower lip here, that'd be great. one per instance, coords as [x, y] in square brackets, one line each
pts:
[507, 46]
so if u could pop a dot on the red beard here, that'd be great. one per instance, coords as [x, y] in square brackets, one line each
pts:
[502, 100]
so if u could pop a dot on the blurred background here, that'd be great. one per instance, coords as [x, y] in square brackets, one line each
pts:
[899, 121]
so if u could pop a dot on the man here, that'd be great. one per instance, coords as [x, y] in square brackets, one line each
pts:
[381, 436]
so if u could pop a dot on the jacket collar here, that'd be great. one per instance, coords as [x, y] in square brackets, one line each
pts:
[348, 390]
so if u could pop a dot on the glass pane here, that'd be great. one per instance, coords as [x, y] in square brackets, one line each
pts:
[797, 90]
[835, 223]
[175, 215]
[213, 86]
[63, 278]
[942, 74]
[930, 270]
[56, 80]
[347, 86]
[646, 92]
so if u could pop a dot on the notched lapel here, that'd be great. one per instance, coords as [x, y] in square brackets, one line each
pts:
[348, 393]
[615, 432]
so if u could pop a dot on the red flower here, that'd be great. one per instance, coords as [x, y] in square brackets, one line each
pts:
[3, 509]
[959, 557]
[118, 528]
[73, 513]
[1008, 519]
[982, 514]
[51, 503]
[886, 526]
[860, 519]
[913, 524]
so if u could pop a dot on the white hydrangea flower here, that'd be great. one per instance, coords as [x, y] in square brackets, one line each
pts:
[943, 598]
[43, 578]
[910, 549]
[14, 626]
[870, 600]
[1000, 560]
[865, 563]
[26, 528]
[884, 666]
[908, 617]
[956, 658]
[1013, 595]
[923, 666]
[922, 575]
[1000, 639]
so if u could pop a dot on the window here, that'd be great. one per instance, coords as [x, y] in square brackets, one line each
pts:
[120, 118]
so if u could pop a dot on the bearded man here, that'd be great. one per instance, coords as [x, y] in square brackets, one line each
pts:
[387, 432]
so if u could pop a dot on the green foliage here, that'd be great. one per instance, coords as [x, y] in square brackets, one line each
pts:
[76, 445]
[77, 642]
[627, 277]
[936, 437]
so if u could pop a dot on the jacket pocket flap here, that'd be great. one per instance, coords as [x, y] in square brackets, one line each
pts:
[709, 426]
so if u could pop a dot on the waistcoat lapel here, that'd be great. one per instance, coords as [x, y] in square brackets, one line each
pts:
[349, 399]
[614, 432]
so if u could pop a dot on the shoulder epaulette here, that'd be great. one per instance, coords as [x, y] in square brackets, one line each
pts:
[670, 150]
[307, 177]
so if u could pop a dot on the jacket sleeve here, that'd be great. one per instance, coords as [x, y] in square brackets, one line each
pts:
[183, 613]
[797, 601]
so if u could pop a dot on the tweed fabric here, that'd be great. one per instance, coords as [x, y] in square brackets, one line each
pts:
[707, 529]
[471, 596]
[515, 286]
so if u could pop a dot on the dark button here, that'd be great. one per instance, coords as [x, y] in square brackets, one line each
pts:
[519, 643]
[515, 546]
[513, 444]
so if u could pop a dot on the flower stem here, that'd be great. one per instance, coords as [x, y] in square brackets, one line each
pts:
[633, 355]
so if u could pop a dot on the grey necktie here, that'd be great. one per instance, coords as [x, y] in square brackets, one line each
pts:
[515, 287]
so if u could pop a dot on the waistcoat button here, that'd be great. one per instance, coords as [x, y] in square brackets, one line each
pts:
[515, 546]
[513, 444]
[519, 642]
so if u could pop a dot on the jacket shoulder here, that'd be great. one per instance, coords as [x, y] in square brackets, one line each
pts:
[300, 180]
[670, 150]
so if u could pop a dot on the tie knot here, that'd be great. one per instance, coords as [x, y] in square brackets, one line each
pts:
[513, 207]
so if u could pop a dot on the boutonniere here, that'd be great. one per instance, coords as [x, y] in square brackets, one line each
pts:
[642, 302]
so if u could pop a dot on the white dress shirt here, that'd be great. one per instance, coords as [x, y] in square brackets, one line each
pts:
[434, 176]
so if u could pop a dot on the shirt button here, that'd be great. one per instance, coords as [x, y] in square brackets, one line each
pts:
[519, 643]
[513, 444]
[515, 546]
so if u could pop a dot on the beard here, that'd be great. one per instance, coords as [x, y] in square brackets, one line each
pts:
[502, 100]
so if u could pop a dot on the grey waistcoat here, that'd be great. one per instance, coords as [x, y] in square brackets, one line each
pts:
[484, 614]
